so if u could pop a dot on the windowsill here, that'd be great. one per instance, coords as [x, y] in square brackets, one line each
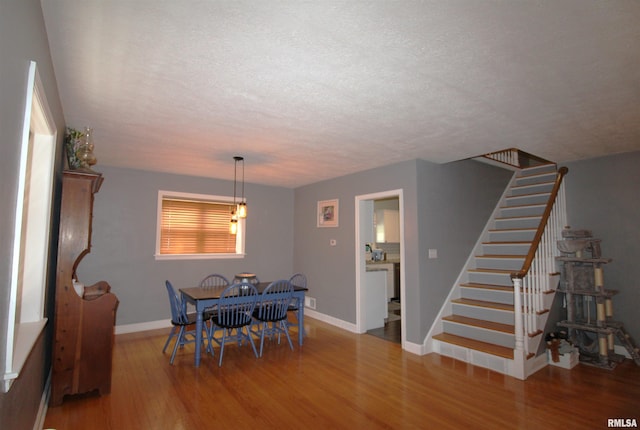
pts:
[197, 256]
[26, 336]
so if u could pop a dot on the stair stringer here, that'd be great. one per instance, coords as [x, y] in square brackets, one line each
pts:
[454, 293]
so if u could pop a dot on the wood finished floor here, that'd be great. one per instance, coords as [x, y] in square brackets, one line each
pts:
[340, 380]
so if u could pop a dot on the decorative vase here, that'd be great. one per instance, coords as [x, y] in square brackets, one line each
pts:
[85, 151]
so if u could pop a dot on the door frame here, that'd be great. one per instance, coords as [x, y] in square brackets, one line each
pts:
[361, 222]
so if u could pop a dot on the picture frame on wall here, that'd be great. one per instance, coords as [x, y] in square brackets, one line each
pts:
[328, 213]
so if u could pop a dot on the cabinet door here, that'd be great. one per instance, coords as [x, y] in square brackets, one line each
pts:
[391, 226]
[387, 226]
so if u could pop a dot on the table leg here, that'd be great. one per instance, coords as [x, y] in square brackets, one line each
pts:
[300, 318]
[198, 336]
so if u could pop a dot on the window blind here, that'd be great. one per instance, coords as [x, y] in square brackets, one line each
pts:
[196, 227]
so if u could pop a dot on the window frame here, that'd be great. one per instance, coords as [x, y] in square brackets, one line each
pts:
[32, 233]
[240, 236]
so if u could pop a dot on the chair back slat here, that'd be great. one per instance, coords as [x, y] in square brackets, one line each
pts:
[275, 300]
[214, 280]
[236, 305]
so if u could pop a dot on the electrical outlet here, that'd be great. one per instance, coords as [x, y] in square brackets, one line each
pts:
[333, 242]
[433, 253]
[310, 302]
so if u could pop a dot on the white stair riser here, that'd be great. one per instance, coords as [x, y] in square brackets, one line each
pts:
[483, 335]
[506, 249]
[527, 200]
[481, 313]
[526, 222]
[531, 189]
[477, 358]
[520, 211]
[487, 295]
[544, 168]
[536, 179]
[499, 263]
[511, 235]
[490, 278]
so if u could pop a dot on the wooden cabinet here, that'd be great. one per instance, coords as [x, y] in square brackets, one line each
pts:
[83, 323]
[387, 226]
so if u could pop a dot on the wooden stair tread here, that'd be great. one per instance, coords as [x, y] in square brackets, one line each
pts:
[484, 304]
[517, 242]
[487, 286]
[496, 271]
[500, 256]
[477, 345]
[531, 205]
[547, 193]
[474, 322]
[504, 218]
[533, 184]
[494, 230]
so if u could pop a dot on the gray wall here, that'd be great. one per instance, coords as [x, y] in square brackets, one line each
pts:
[603, 195]
[456, 200]
[331, 270]
[446, 207]
[22, 39]
[124, 234]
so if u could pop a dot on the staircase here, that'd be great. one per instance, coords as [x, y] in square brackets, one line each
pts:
[496, 312]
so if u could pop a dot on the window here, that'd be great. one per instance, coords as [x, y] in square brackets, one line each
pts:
[196, 226]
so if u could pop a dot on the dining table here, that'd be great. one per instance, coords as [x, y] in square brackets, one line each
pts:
[205, 298]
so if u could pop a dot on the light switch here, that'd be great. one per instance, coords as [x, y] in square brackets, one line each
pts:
[433, 253]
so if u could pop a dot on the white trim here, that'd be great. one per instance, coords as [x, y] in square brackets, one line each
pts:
[31, 236]
[145, 326]
[240, 236]
[361, 265]
[44, 404]
[345, 325]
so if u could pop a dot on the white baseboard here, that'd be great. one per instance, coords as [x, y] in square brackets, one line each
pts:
[330, 320]
[414, 348]
[151, 325]
[44, 404]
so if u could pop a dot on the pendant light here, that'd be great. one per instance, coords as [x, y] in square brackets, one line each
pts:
[239, 210]
[242, 205]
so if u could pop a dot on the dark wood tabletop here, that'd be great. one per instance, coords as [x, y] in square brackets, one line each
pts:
[200, 293]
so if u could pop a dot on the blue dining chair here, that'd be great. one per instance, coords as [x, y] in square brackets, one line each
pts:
[212, 281]
[180, 321]
[271, 311]
[233, 313]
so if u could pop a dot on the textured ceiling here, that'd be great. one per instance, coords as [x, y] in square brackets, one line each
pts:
[307, 91]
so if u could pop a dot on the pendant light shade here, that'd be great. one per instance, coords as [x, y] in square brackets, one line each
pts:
[233, 225]
[242, 210]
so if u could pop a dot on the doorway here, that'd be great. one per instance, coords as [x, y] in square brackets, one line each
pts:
[369, 216]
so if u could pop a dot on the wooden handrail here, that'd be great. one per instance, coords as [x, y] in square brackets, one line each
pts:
[543, 224]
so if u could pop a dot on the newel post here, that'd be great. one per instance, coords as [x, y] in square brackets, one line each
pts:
[517, 307]
[519, 352]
